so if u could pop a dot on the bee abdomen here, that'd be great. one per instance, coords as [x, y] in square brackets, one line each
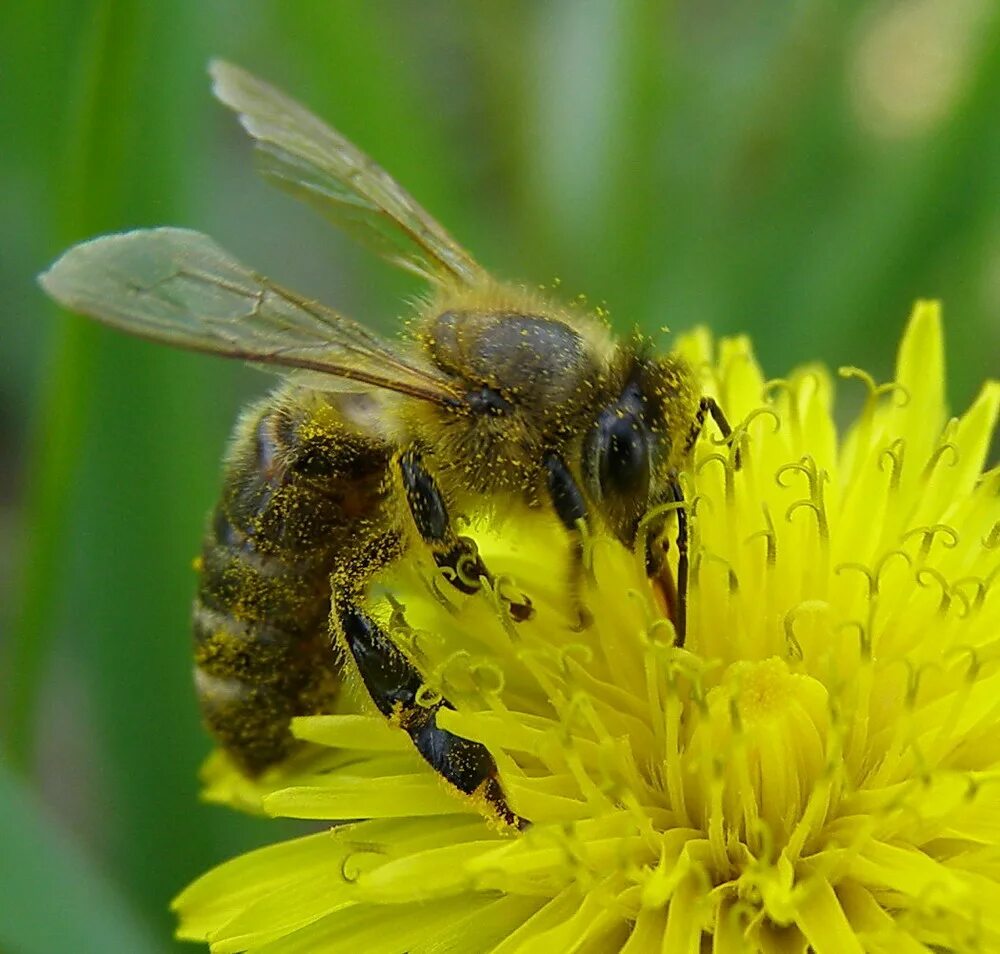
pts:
[302, 488]
[253, 678]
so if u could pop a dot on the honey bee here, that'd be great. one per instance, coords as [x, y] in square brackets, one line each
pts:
[497, 395]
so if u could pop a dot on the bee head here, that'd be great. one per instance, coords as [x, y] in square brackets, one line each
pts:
[639, 439]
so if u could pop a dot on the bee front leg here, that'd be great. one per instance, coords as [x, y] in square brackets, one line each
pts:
[680, 619]
[394, 685]
[675, 594]
[571, 508]
[709, 406]
[459, 555]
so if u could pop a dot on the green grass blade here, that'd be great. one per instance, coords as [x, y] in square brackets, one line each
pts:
[86, 177]
[53, 898]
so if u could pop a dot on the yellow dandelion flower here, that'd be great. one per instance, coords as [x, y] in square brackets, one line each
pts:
[818, 769]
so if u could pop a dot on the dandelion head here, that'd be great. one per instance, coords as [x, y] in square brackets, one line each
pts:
[816, 769]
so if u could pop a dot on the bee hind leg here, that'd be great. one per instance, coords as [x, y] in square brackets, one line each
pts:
[394, 684]
[455, 554]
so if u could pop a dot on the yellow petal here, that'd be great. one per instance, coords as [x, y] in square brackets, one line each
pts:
[683, 931]
[224, 892]
[391, 796]
[824, 923]
[371, 733]
[918, 414]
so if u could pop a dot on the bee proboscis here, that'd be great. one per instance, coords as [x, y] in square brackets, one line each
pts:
[370, 444]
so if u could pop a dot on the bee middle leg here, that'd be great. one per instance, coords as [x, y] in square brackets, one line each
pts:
[394, 685]
[456, 554]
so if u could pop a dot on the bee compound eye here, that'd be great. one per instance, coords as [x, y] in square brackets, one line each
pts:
[623, 456]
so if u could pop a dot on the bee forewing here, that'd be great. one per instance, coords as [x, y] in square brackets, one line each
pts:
[180, 287]
[303, 155]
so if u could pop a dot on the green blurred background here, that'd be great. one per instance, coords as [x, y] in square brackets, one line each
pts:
[797, 170]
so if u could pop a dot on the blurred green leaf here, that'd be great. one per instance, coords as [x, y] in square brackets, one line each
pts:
[88, 176]
[53, 897]
[125, 464]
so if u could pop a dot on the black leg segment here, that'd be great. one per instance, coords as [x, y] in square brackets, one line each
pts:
[393, 683]
[708, 405]
[712, 406]
[571, 507]
[464, 763]
[390, 678]
[457, 555]
[680, 620]
[674, 592]
[465, 566]
[567, 497]
[430, 514]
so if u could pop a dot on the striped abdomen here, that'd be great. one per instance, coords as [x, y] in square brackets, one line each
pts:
[304, 489]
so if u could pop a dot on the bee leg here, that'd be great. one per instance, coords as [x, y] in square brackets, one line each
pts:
[571, 508]
[680, 616]
[657, 569]
[674, 593]
[394, 685]
[708, 405]
[456, 554]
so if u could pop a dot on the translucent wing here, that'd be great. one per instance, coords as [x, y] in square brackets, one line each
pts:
[303, 155]
[180, 287]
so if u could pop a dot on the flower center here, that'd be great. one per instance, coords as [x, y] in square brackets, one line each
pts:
[765, 744]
